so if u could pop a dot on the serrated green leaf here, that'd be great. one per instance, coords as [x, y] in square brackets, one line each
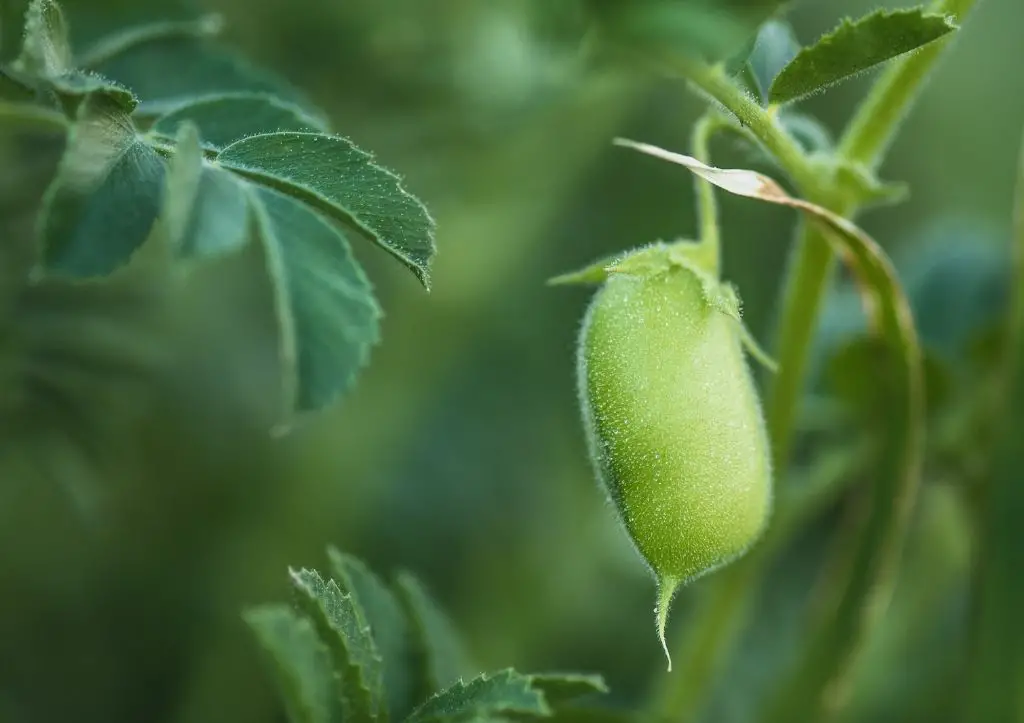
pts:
[388, 624]
[45, 50]
[857, 46]
[561, 688]
[224, 119]
[775, 47]
[106, 196]
[438, 653]
[201, 69]
[328, 314]
[505, 692]
[343, 627]
[342, 180]
[301, 663]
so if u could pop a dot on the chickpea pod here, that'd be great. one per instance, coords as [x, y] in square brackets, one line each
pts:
[673, 422]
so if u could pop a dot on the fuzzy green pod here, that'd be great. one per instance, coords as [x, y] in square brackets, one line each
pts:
[673, 421]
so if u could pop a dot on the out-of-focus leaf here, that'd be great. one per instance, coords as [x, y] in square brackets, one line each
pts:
[859, 373]
[200, 69]
[206, 209]
[75, 86]
[343, 627]
[857, 46]
[106, 196]
[809, 132]
[45, 50]
[775, 47]
[327, 313]
[560, 688]
[126, 38]
[224, 119]
[489, 695]
[301, 663]
[864, 575]
[715, 30]
[996, 667]
[439, 658]
[388, 625]
[342, 180]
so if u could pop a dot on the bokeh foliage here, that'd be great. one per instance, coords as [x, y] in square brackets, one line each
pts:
[135, 532]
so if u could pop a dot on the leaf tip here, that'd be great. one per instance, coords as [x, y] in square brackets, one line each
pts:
[667, 587]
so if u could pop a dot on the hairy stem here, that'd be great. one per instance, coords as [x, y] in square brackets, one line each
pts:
[717, 622]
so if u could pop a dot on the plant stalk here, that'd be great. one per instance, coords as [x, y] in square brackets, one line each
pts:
[717, 622]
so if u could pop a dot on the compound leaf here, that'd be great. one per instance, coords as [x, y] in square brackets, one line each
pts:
[343, 181]
[857, 46]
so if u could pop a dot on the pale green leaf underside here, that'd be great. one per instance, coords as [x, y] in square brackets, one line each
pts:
[437, 648]
[301, 663]
[326, 305]
[224, 119]
[45, 49]
[344, 182]
[343, 628]
[106, 196]
[857, 46]
[487, 695]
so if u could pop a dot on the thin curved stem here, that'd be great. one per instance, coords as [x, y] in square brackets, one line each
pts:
[707, 204]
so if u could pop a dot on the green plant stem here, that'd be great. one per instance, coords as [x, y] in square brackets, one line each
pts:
[717, 622]
[873, 128]
[707, 205]
[712, 81]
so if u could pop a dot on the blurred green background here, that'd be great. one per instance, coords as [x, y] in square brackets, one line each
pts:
[139, 515]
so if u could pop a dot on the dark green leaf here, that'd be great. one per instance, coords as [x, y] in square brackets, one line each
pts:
[301, 663]
[388, 624]
[200, 69]
[224, 119]
[775, 47]
[439, 656]
[857, 46]
[343, 627]
[327, 311]
[490, 694]
[106, 196]
[343, 181]
[45, 50]
[560, 688]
